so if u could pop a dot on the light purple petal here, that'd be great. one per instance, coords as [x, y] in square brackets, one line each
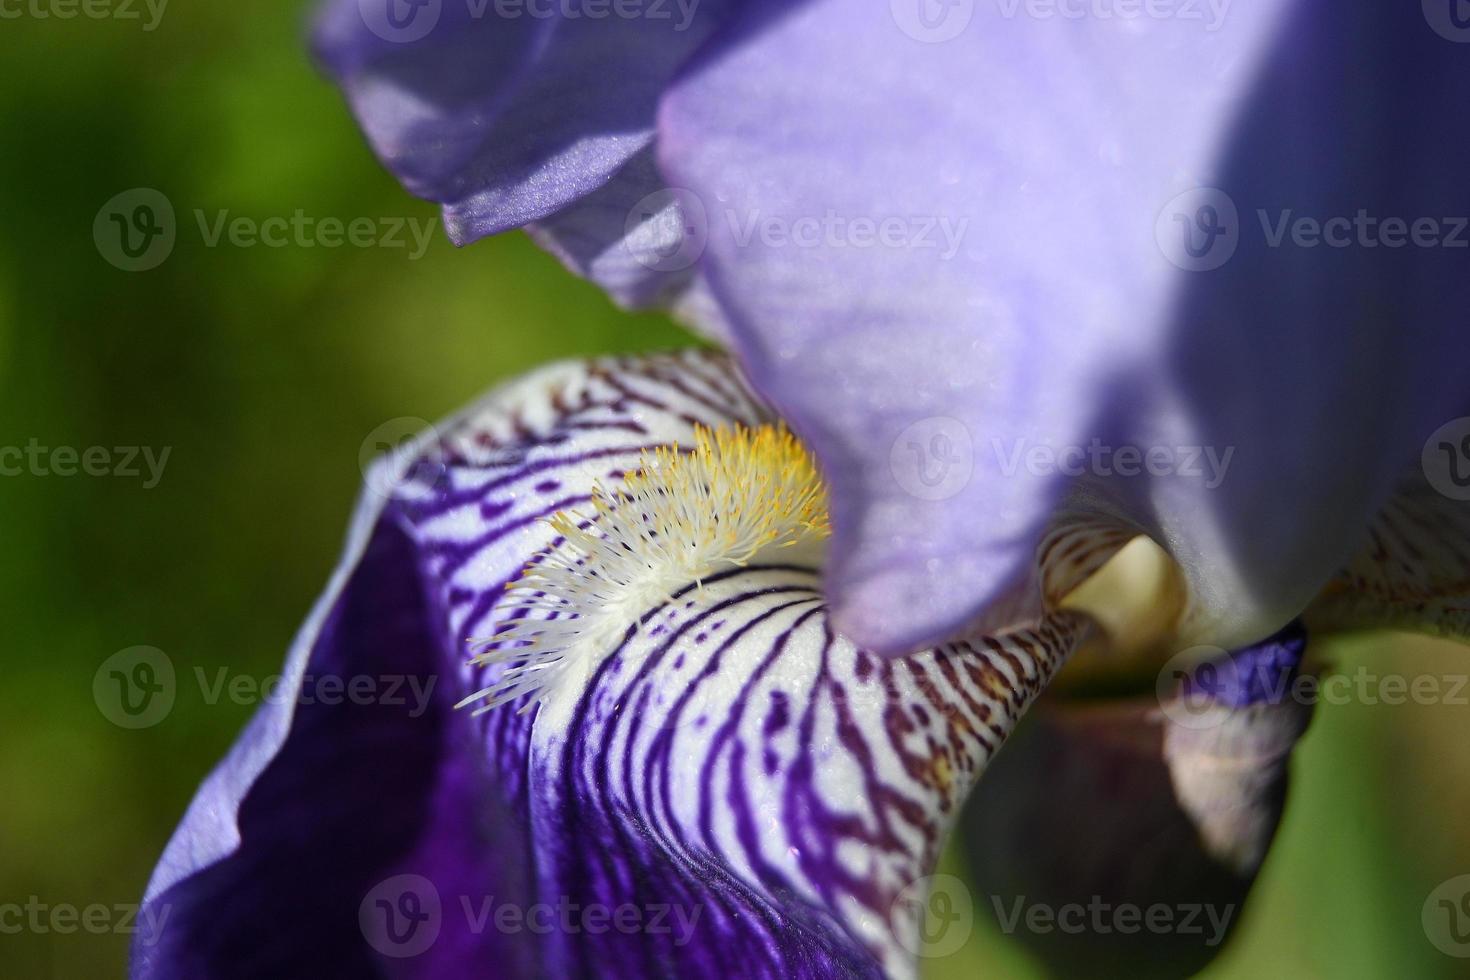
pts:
[640, 241]
[1056, 153]
[505, 112]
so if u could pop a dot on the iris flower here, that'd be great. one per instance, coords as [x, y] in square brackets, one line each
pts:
[727, 639]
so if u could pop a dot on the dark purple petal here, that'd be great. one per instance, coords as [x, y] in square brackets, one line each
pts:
[764, 788]
[505, 112]
[326, 795]
[1059, 310]
[733, 759]
[1255, 675]
[1144, 805]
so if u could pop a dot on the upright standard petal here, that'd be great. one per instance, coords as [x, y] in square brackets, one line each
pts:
[505, 112]
[943, 247]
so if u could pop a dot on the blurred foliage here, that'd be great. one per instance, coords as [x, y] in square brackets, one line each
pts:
[265, 368]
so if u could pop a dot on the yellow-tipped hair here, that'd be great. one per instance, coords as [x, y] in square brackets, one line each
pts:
[680, 517]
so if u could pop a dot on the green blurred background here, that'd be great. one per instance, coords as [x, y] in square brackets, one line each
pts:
[264, 369]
